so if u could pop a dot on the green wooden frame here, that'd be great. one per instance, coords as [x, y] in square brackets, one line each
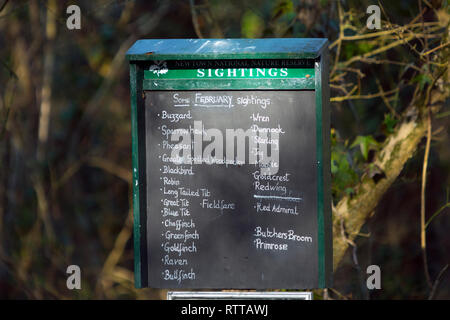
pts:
[144, 52]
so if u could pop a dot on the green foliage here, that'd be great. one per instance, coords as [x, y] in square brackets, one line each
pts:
[252, 25]
[342, 172]
[365, 144]
[357, 48]
[282, 7]
[389, 122]
[422, 79]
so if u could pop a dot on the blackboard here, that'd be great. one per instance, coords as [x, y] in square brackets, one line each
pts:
[263, 233]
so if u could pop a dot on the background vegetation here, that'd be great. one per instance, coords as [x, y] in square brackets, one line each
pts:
[65, 141]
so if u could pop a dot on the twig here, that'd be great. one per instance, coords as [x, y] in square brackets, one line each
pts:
[436, 282]
[423, 235]
[45, 108]
[423, 241]
[339, 294]
[43, 206]
[7, 106]
[367, 96]
[442, 115]
[110, 167]
[117, 251]
[385, 61]
[436, 48]
[355, 259]
[447, 205]
[380, 33]
[357, 71]
[386, 100]
[339, 40]
[425, 162]
[339, 87]
[68, 173]
[379, 50]
[3, 5]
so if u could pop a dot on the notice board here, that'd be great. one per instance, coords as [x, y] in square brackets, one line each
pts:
[209, 213]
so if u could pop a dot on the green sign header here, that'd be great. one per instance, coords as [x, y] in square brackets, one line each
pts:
[158, 72]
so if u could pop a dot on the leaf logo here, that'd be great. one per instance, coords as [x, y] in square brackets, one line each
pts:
[160, 67]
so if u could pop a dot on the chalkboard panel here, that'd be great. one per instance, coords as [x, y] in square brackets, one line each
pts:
[225, 225]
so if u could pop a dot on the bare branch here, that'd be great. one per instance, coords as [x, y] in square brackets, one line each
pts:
[364, 96]
[437, 282]
[423, 239]
[110, 167]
